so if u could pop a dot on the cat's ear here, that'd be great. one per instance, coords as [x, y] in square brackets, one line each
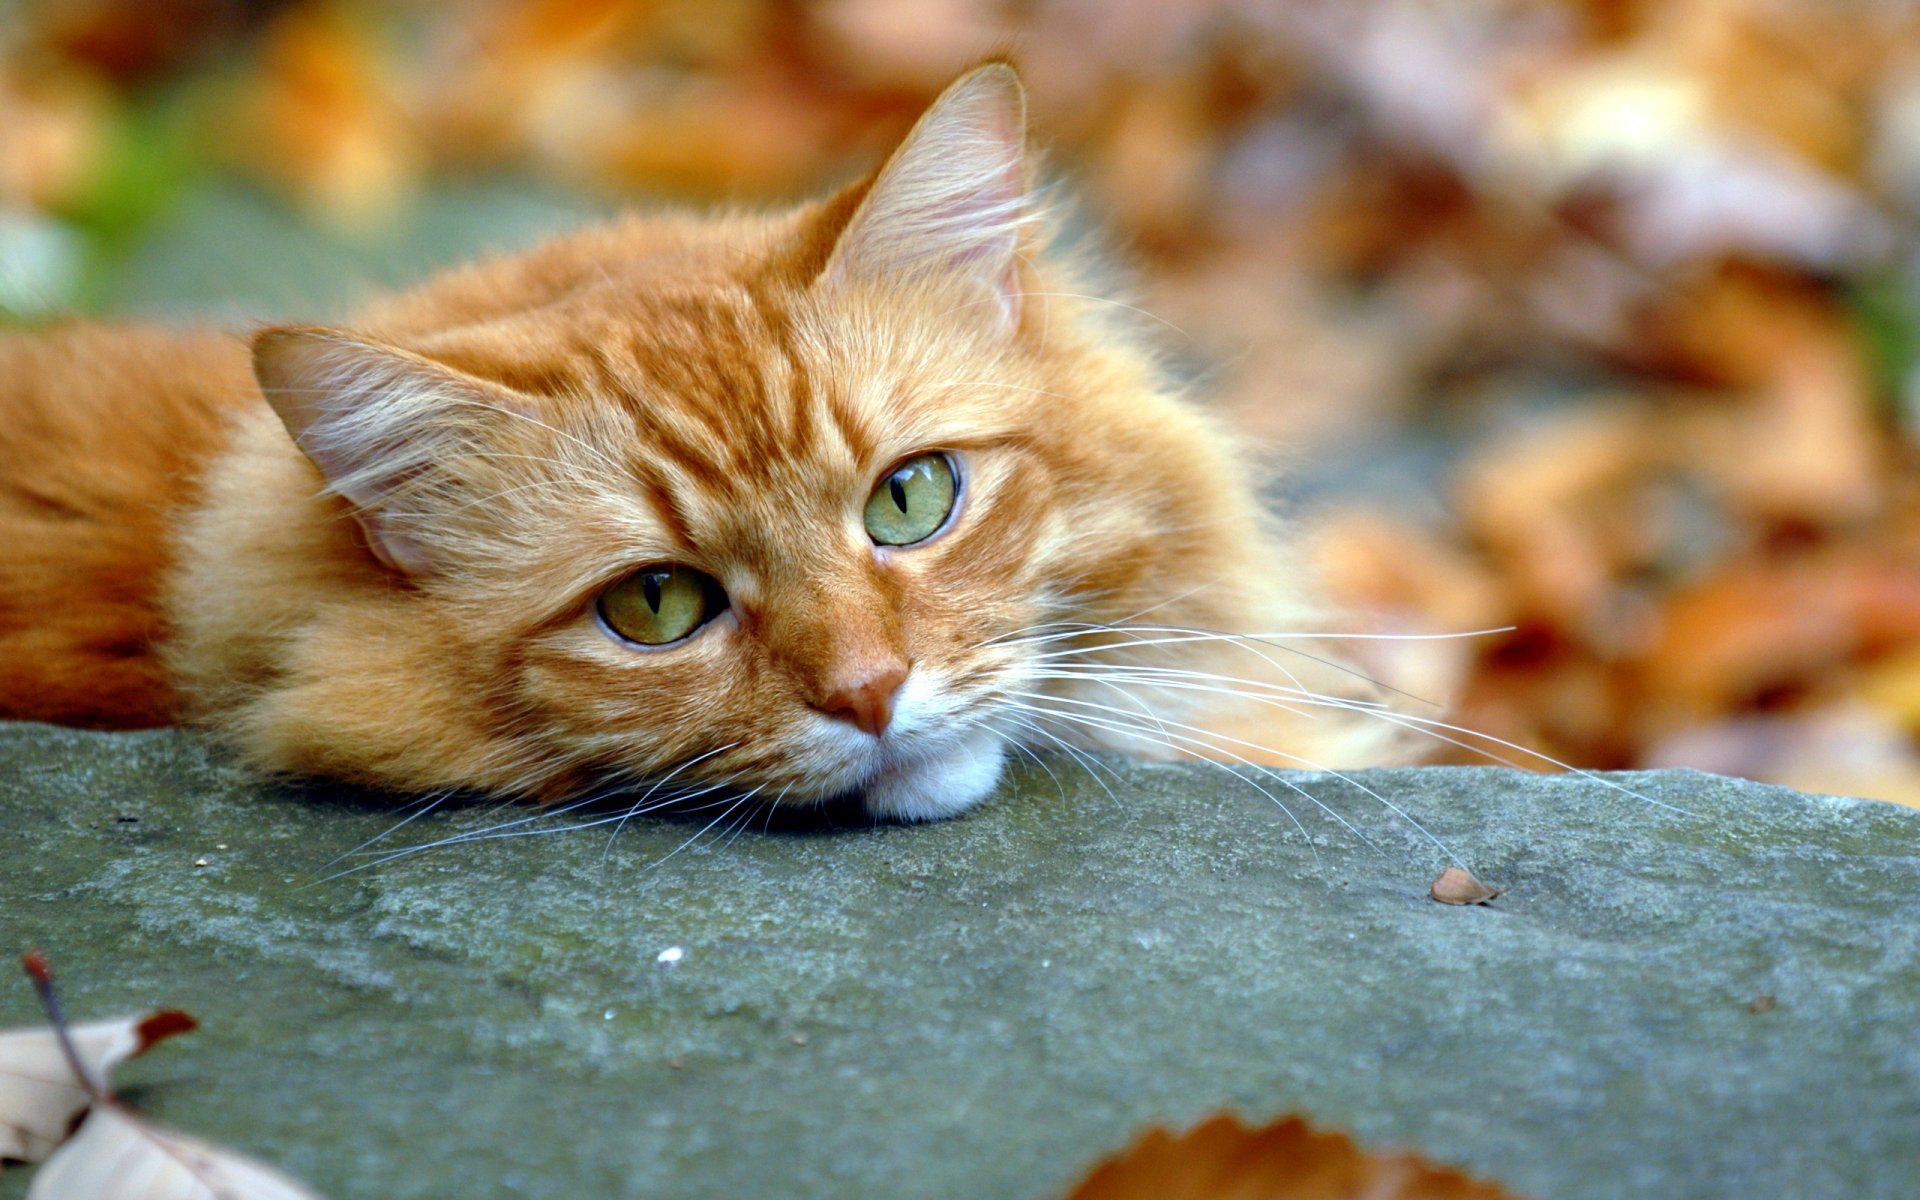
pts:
[953, 198]
[389, 429]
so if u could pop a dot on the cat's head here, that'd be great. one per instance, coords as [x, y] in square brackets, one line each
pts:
[797, 505]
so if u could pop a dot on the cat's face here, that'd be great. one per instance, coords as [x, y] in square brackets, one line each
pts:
[809, 557]
[808, 522]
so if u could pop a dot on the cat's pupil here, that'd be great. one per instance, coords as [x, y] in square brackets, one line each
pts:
[650, 585]
[898, 489]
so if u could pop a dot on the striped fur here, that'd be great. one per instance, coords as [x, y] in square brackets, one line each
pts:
[410, 602]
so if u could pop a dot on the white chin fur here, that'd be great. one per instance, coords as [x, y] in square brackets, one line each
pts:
[939, 787]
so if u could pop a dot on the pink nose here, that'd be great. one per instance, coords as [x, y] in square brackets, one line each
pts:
[868, 703]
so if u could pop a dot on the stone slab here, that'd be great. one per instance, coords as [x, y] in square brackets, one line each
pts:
[984, 1007]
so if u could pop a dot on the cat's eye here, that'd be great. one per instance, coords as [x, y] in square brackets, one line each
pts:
[661, 604]
[912, 501]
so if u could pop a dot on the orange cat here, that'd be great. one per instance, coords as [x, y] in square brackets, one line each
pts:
[848, 499]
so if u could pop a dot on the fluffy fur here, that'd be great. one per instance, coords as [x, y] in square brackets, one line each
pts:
[387, 571]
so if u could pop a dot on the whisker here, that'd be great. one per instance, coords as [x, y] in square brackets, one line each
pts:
[421, 807]
[1426, 726]
[1295, 701]
[502, 829]
[518, 827]
[1095, 723]
[703, 829]
[1167, 739]
[1170, 635]
[1032, 757]
[1213, 740]
[664, 780]
[746, 818]
[1195, 590]
[1074, 752]
[1429, 724]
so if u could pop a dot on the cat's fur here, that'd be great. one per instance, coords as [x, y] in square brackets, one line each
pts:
[410, 603]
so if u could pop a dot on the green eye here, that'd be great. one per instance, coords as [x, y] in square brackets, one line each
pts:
[657, 605]
[912, 501]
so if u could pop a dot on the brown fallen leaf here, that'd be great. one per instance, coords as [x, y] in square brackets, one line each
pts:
[1222, 1159]
[1457, 885]
[39, 1097]
[119, 1156]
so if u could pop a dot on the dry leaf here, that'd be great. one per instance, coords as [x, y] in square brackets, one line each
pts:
[1891, 686]
[1788, 620]
[908, 43]
[118, 1156]
[1288, 1160]
[1457, 885]
[40, 1098]
[1844, 749]
[322, 119]
[1555, 504]
[52, 128]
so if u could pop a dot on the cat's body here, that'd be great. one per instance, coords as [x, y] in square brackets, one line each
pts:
[104, 432]
[438, 593]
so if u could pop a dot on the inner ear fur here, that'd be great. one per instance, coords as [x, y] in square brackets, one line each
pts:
[393, 432]
[952, 202]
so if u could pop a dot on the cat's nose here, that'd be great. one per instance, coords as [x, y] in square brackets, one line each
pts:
[867, 702]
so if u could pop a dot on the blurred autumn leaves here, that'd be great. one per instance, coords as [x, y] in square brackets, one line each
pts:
[1596, 318]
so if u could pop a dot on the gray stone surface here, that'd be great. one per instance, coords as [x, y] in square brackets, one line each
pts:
[981, 1008]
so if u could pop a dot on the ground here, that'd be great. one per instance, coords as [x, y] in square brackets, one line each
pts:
[986, 1006]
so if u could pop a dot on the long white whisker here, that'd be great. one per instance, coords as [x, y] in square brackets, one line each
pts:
[1428, 724]
[1115, 726]
[1173, 635]
[1074, 752]
[1288, 699]
[1291, 700]
[518, 826]
[703, 829]
[502, 829]
[1167, 737]
[663, 781]
[1035, 759]
[421, 808]
[1213, 740]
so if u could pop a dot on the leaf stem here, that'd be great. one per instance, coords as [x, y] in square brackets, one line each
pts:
[41, 972]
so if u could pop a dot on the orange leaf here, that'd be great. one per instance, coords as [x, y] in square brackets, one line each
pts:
[1457, 885]
[1288, 1160]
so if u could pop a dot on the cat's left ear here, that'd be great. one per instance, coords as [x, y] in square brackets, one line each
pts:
[394, 433]
[952, 200]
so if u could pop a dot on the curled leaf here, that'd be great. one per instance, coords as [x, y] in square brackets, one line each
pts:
[39, 1096]
[118, 1156]
[1457, 885]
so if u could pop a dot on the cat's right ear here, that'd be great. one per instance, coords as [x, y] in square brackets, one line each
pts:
[952, 201]
[388, 429]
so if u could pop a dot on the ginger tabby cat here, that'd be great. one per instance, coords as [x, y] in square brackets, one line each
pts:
[849, 499]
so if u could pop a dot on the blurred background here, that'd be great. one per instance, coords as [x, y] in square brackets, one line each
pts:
[1594, 318]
